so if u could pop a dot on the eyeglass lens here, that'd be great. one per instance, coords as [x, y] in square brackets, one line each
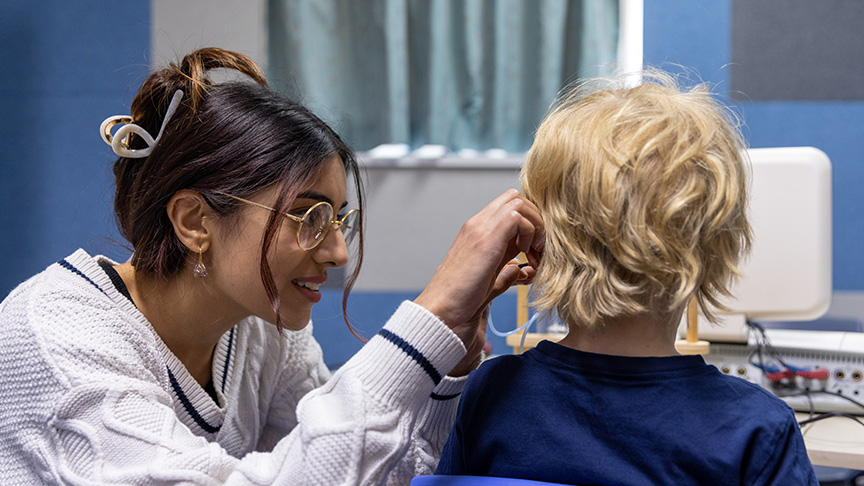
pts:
[316, 224]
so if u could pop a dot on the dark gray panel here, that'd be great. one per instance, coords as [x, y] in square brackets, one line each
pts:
[797, 50]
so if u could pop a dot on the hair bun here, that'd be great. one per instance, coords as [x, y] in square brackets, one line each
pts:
[194, 70]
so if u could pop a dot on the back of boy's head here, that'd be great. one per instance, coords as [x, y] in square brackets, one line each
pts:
[643, 195]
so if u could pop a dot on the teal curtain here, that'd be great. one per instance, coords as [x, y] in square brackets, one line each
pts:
[475, 74]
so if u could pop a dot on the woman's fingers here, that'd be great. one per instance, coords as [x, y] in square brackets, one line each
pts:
[507, 277]
[513, 273]
[470, 272]
[534, 256]
[529, 226]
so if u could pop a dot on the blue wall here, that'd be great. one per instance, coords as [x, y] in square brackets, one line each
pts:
[66, 67]
[697, 34]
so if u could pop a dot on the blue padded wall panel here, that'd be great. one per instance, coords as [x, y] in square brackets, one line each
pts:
[834, 127]
[697, 34]
[688, 35]
[67, 66]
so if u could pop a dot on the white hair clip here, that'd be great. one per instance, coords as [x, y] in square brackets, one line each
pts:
[120, 140]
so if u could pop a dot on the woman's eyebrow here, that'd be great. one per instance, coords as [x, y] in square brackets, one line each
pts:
[317, 196]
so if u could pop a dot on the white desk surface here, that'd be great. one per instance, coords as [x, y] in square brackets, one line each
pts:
[834, 442]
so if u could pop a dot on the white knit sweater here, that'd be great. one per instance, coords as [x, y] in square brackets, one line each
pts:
[89, 394]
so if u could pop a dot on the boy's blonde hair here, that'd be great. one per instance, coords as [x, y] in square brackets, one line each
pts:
[643, 195]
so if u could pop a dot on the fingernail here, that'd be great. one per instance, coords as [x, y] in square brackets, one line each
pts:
[511, 272]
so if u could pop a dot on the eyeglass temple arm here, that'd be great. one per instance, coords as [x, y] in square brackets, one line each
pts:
[268, 208]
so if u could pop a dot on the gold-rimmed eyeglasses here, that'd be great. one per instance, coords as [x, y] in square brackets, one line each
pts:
[315, 223]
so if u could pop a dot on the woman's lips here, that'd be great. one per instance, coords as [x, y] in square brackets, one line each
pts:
[309, 287]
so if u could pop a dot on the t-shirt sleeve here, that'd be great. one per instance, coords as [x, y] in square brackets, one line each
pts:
[786, 461]
[451, 462]
[453, 454]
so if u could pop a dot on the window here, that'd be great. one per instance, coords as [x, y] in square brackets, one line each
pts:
[472, 74]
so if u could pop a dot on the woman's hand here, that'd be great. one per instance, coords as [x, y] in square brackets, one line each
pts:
[510, 275]
[471, 273]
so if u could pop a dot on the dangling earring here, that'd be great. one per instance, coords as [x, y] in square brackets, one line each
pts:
[200, 271]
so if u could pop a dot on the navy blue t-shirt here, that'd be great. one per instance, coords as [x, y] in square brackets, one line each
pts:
[560, 415]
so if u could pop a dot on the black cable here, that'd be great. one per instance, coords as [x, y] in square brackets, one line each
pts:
[808, 392]
[765, 343]
[810, 402]
[758, 350]
[830, 415]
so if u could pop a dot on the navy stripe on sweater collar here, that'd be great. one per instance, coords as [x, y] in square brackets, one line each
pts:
[190, 409]
[68, 266]
[178, 390]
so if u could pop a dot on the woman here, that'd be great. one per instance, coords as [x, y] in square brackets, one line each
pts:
[194, 362]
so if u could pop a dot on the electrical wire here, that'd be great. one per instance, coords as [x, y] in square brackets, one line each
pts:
[828, 415]
[765, 348]
[812, 417]
[763, 343]
[827, 392]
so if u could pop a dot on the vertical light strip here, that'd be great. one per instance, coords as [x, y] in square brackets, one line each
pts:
[630, 38]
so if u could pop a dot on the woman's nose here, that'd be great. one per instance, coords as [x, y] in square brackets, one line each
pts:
[332, 251]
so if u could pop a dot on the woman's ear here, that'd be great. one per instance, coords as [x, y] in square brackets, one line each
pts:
[188, 212]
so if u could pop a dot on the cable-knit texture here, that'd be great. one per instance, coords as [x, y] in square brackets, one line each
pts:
[91, 395]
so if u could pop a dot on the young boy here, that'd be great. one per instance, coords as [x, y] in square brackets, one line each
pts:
[643, 195]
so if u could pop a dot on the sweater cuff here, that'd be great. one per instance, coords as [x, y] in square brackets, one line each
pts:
[410, 357]
[450, 388]
[437, 418]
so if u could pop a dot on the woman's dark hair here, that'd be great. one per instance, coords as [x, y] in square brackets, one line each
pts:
[236, 138]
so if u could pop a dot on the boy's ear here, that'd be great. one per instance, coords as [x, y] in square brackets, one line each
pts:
[189, 213]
